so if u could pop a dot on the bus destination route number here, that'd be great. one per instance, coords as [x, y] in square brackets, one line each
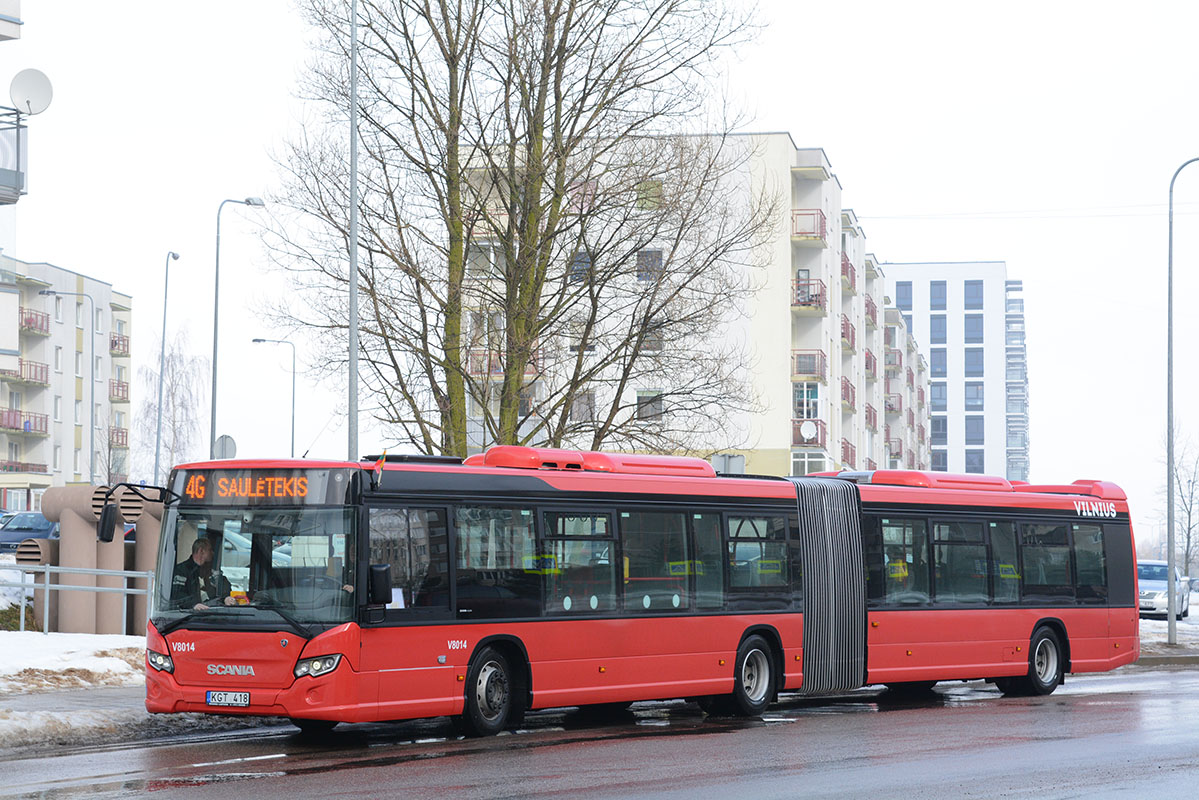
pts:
[260, 487]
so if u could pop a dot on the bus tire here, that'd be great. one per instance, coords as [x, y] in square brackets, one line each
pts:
[1046, 665]
[753, 677]
[313, 727]
[490, 699]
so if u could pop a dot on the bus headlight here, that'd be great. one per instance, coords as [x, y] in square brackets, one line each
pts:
[316, 666]
[160, 661]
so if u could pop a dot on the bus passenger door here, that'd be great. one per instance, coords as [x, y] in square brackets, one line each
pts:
[412, 660]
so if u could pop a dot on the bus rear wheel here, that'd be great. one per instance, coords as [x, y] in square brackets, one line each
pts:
[1046, 666]
[490, 699]
[753, 677]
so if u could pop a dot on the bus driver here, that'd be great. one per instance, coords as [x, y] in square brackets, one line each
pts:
[196, 584]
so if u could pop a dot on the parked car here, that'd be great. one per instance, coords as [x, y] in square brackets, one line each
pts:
[1151, 576]
[26, 525]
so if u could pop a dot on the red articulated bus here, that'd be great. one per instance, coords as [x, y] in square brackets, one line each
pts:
[523, 578]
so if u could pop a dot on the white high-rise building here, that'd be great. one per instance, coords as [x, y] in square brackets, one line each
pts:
[972, 318]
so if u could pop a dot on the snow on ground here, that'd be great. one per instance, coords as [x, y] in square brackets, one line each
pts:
[37, 662]
[9, 595]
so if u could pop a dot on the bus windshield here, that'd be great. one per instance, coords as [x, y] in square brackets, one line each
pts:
[249, 567]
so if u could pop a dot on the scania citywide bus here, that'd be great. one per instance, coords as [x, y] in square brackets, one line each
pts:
[525, 578]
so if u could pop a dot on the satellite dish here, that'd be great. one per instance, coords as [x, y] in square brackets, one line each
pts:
[808, 429]
[225, 447]
[30, 91]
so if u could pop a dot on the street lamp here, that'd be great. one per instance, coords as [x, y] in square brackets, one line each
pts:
[91, 355]
[255, 202]
[293, 385]
[162, 358]
[1171, 601]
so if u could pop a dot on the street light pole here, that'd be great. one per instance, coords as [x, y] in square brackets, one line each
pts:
[162, 358]
[255, 202]
[353, 343]
[1171, 600]
[293, 386]
[91, 355]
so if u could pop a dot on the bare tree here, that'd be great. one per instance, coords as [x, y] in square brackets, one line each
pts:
[552, 234]
[1186, 498]
[184, 398]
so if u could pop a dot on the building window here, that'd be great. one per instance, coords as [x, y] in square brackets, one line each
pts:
[576, 334]
[99, 417]
[649, 265]
[58, 359]
[580, 267]
[78, 364]
[974, 295]
[974, 430]
[974, 328]
[938, 397]
[99, 367]
[58, 458]
[936, 329]
[903, 295]
[78, 460]
[974, 461]
[974, 362]
[99, 320]
[79, 314]
[58, 408]
[525, 401]
[649, 195]
[937, 367]
[806, 462]
[651, 342]
[974, 396]
[649, 405]
[78, 412]
[582, 407]
[939, 431]
[805, 399]
[907, 323]
[481, 260]
[1017, 405]
[940, 461]
[936, 295]
[1014, 338]
[58, 309]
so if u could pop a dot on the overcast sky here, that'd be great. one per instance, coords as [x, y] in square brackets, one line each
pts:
[1040, 134]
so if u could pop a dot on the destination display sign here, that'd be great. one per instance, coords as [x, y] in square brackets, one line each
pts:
[257, 487]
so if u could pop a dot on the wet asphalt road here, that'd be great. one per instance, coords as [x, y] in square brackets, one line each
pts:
[1132, 733]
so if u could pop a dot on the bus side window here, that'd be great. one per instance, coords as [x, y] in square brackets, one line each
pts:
[1045, 551]
[1121, 564]
[496, 572]
[656, 561]
[758, 564]
[905, 548]
[579, 571]
[415, 543]
[1005, 562]
[872, 554]
[1090, 567]
[960, 558]
[709, 561]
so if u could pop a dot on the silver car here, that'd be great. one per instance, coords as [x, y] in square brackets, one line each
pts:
[1151, 576]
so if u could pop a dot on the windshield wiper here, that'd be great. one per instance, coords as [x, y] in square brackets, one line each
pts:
[221, 611]
[296, 625]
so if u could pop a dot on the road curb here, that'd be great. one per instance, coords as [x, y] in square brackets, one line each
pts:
[1171, 659]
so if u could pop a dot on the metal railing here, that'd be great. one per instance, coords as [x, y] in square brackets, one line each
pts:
[47, 570]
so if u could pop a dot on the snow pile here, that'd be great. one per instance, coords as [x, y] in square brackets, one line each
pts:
[32, 661]
[10, 594]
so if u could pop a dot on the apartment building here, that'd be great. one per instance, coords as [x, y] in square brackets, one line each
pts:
[64, 377]
[820, 331]
[972, 317]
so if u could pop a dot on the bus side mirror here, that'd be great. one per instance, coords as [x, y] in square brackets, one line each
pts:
[106, 527]
[379, 587]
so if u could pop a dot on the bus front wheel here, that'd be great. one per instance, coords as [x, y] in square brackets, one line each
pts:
[489, 694]
[753, 677]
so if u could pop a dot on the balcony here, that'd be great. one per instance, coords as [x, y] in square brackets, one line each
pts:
[491, 362]
[894, 404]
[849, 339]
[871, 312]
[118, 344]
[815, 428]
[489, 224]
[809, 365]
[894, 360]
[809, 297]
[849, 454]
[118, 437]
[849, 278]
[870, 465]
[35, 322]
[871, 366]
[871, 417]
[31, 372]
[911, 459]
[920, 435]
[911, 378]
[920, 397]
[118, 391]
[895, 448]
[809, 227]
[849, 395]
[15, 420]
[21, 466]
[911, 418]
